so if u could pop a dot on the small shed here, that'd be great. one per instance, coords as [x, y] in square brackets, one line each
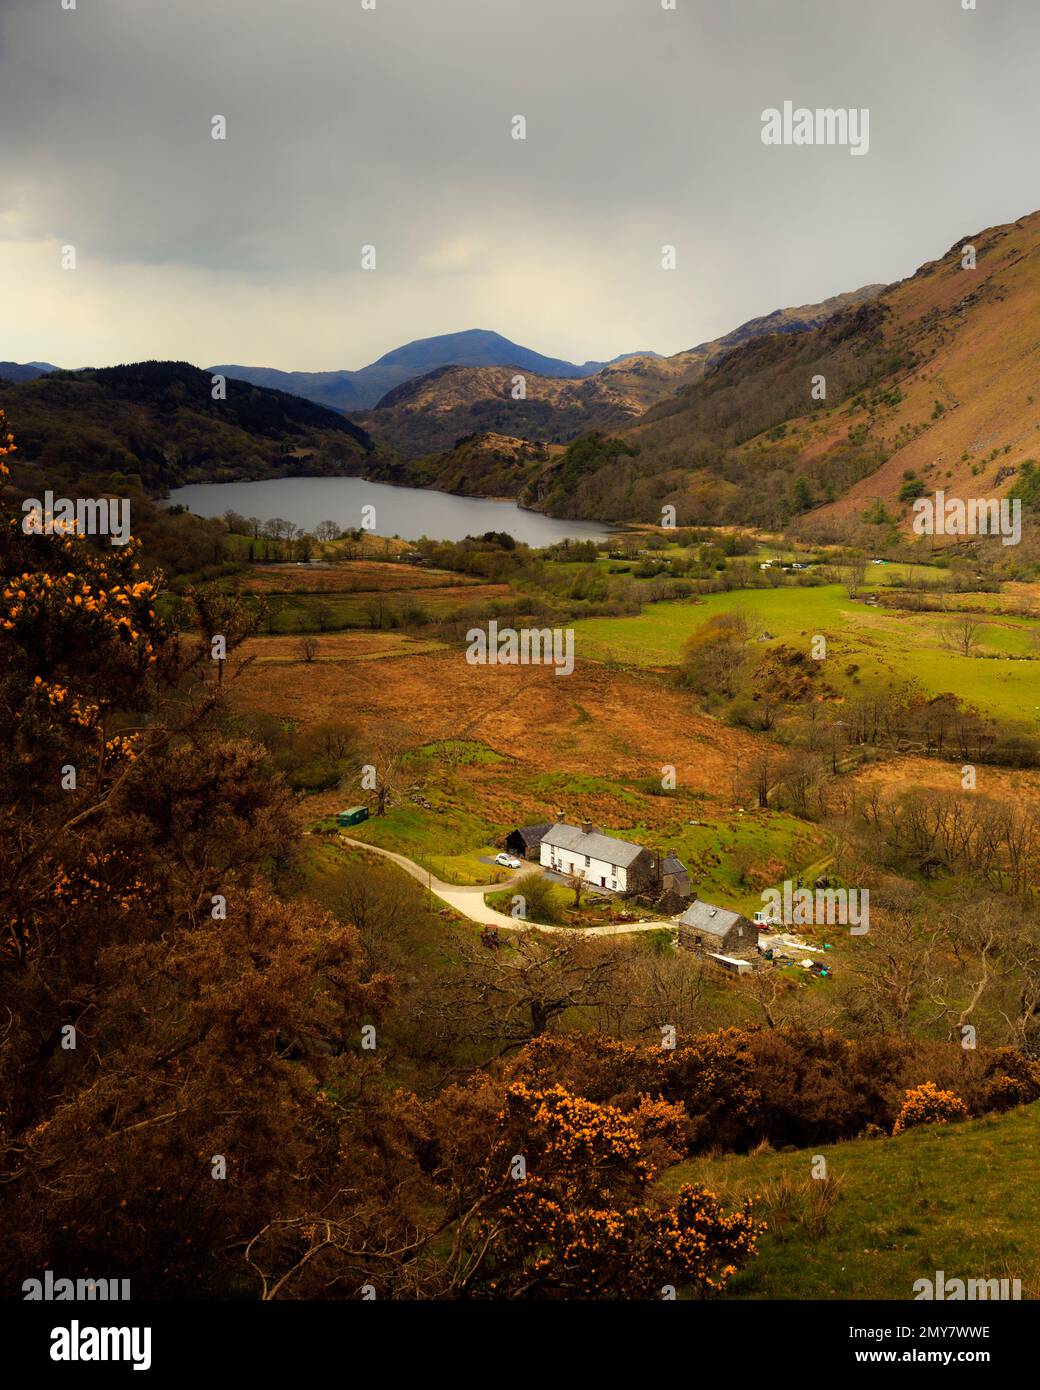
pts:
[715, 930]
[526, 841]
[353, 815]
[731, 964]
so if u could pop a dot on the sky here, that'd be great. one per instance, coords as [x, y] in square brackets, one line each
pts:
[392, 127]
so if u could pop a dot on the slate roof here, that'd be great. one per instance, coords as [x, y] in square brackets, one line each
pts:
[533, 834]
[596, 845]
[671, 865]
[704, 917]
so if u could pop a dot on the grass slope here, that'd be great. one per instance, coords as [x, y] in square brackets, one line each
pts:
[960, 1198]
[889, 648]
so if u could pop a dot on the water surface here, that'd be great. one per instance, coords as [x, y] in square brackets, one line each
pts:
[407, 512]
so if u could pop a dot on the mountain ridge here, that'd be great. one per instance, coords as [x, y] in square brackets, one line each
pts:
[158, 421]
[361, 389]
[427, 414]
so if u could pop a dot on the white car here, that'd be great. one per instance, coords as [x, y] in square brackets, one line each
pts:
[507, 861]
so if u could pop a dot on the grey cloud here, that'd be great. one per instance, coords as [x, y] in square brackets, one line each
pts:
[347, 126]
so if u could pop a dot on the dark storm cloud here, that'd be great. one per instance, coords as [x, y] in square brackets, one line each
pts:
[392, 127]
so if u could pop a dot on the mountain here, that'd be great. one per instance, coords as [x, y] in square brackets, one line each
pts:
[158, 421]
[360, 390]
[426, 415]
[25, 371]
[930, 384]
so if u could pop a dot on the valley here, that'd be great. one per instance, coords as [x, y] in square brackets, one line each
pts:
[774, 685]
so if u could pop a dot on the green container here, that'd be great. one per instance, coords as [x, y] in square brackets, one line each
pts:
[353, 815]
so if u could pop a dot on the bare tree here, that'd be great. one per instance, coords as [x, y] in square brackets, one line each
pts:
[896, 968]
[509, 996]
[1020, 1009]
[855, 577]
[308, 648]
[576, 883]
[962, 635]
[386, 752]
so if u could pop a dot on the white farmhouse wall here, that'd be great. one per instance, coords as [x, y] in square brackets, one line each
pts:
[597, 872]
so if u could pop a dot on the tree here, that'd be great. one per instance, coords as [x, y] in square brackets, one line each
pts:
[715, 653]
[898, 966]
[507, 997]
[803, 498]
[165, 1013]
[537, 892]
[308, 648]
[855, 576]
[962, 635]
[576, 883]
[385, 752]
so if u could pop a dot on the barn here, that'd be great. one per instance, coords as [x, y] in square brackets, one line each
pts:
[716, 931]
[525, 842]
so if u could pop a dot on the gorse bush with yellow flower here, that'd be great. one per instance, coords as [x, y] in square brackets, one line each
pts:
[582, 1222]
[928, 1105]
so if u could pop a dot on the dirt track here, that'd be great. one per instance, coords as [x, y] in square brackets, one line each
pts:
[469, 900]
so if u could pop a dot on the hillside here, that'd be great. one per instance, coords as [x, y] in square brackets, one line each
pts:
[428, 414]
[905, 1207]
[653, 379]
[159, 421]
[360, 390]
[931, 383]
[480, 465]
[967, 417]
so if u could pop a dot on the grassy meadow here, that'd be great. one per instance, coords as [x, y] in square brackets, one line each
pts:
[887, 647]
[959, 1198]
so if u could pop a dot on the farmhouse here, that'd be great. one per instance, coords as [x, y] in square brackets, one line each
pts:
[525, 842]
[716, 931]
[601, 860]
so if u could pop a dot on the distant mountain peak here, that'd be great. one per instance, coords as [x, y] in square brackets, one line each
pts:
[361, 390]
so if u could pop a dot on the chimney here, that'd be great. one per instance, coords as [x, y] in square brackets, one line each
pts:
[586, 827]
[560, 817]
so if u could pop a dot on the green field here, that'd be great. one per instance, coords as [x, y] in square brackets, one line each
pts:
[890, 648]
[958, 1198]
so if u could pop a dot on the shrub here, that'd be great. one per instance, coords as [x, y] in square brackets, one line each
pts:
[927, 1105]
[1011, 1079]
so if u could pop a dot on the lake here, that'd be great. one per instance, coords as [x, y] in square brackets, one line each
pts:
[407, 512]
